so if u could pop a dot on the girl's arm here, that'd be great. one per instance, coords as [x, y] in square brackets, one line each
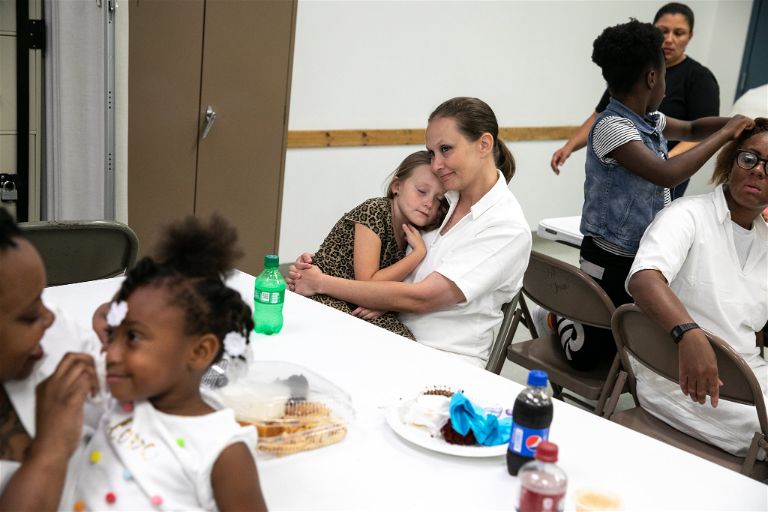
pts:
[638, 159]
[235, 480]
[368, 250]
[694, 131]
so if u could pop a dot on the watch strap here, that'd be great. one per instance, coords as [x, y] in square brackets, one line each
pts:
[678, 330]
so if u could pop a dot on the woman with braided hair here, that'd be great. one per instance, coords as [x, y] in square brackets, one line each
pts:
[161, 444]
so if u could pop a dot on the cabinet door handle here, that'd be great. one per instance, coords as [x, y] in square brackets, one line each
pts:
[210, 118]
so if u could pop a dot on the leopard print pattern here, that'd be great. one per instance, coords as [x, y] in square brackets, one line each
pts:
[336, 254]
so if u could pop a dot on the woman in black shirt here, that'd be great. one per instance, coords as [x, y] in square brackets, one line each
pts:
[692, 91]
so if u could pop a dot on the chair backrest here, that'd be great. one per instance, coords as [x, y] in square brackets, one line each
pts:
[638, 336]
[75, 251]
[566, 291]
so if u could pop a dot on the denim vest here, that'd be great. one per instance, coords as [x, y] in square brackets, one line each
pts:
[619, 205]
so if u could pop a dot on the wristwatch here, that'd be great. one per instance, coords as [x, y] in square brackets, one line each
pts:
[678, 330]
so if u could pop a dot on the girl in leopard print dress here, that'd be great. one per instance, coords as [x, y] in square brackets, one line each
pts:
[368, 242]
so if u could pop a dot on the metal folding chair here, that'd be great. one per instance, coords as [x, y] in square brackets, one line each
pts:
[638, 337]
[76, 251]
[568, 292]
[512, 317]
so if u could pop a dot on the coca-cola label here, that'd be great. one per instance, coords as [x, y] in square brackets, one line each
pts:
[531, 501]
[524, 441]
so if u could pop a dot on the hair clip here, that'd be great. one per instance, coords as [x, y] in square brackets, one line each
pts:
[237, 355]
[234, 344]
[116, 314]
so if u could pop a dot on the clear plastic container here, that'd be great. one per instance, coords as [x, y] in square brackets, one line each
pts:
[292, 408]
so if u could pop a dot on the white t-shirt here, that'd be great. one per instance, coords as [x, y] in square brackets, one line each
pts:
[485, 254]
[63, 336]
[743, 240]
[691, 242]
[143, 459]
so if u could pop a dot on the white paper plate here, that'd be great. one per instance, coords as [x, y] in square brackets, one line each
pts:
[421, 437]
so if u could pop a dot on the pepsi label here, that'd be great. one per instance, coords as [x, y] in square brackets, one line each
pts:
[524, 441]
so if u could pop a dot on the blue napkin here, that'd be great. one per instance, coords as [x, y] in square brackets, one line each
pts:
[488, 429]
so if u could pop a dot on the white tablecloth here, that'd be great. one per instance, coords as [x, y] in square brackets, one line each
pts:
[374, 469]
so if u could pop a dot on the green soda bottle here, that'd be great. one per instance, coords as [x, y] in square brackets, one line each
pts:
[268, 296]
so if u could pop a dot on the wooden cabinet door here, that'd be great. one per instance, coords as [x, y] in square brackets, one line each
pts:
[165, 51]
[247, 61]
[236, 57]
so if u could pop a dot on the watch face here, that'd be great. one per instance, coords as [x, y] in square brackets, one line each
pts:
[678, 330]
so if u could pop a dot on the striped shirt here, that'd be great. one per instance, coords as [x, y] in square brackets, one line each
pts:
[610, 133]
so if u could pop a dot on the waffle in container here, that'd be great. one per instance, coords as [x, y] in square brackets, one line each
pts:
[293, 408]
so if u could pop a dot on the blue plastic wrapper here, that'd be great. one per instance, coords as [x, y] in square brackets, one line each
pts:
[489, 430]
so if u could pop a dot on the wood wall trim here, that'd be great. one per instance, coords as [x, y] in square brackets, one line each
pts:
[408, 136]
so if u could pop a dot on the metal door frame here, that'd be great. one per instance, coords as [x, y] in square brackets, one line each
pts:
[759, 7]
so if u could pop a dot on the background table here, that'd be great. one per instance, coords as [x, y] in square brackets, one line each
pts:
[562, 229]
[374, 469]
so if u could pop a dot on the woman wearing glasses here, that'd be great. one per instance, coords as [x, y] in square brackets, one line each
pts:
[703, 264]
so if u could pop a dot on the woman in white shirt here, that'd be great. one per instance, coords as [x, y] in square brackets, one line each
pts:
[39, 430]
[703, 264]
[476, 259]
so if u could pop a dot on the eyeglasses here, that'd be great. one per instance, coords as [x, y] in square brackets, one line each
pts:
[746, 159]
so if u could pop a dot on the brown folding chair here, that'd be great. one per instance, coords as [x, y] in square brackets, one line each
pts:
[512, 317]
[76, 251]
[568, 292]
[646, 342]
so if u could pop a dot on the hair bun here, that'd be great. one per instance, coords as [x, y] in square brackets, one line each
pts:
[199, 248]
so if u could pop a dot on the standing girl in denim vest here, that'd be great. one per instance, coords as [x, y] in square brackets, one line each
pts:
[628, 173]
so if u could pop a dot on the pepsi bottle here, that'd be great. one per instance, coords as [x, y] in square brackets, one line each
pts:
[531, 417]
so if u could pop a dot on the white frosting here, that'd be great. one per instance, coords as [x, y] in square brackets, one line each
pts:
[427, 411]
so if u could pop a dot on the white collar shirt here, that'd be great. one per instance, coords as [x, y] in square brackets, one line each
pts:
[485, 255]
[691, 243]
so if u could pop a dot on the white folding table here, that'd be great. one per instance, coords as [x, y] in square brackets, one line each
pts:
[561, 229]
[375, 469]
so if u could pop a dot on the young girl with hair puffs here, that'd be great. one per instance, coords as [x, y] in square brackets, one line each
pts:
[160, 445]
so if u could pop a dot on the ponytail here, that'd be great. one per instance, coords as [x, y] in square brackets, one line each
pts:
[505, 162]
